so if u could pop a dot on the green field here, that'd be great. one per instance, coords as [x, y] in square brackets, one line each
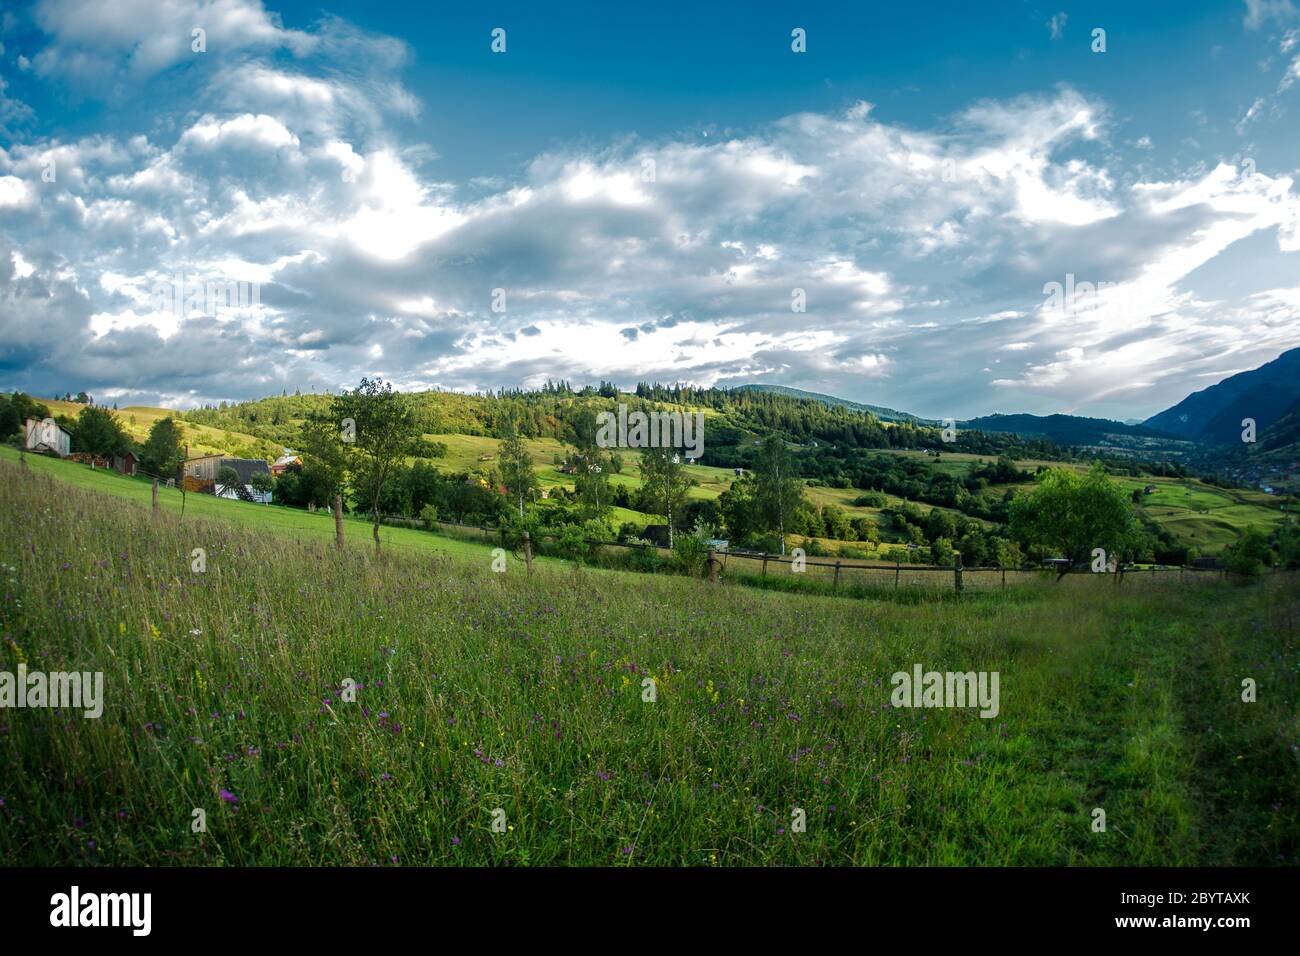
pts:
[520, 698]
[202, 439]
[1196, 514]
[1204, 516]
[287, 524]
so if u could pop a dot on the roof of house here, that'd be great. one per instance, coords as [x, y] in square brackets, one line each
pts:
[246, 467]
[42, 421]
[286, 460]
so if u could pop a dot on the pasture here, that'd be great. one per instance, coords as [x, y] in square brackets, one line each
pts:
[522, 700]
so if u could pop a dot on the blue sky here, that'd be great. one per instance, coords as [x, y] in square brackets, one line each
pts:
[650, 189]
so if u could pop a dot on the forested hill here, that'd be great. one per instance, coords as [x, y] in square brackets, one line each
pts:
[735, 418]
[880, 411]
[1066, 429]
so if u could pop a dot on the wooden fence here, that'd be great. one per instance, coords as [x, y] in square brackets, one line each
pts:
[844, 573]
[839, 574]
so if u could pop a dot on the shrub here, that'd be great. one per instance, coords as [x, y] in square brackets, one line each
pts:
[581, 543]
[1249, 555]
[941, 552]
[690, 551]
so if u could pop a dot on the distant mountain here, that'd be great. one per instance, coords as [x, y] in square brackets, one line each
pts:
[1214, 414]
[1069, 429]
[884, 414]
[1282, 438]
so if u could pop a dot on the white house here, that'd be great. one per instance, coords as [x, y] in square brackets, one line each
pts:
[242, 492]
[49, 435]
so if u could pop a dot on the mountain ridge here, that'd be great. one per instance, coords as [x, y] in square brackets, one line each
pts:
[1214, 414]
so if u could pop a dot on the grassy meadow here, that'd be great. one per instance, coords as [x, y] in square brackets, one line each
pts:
[482, 692]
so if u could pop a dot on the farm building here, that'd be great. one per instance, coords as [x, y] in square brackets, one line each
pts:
[125, 463]
[656, 534]
[48, 435]
[207, 467]
[285, 462]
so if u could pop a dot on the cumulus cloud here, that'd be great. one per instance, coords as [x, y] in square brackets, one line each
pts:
[831, 250]
[95, 42]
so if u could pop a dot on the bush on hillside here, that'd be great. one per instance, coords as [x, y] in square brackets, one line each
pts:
[1249, 555]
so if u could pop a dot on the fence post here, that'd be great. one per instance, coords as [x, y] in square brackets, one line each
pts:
[1004, 577]
[713, 566]
[764, 564]
[956, 571]
[898, 568]
[836, 585]
[338, 521]
[528, 551]
[22, 457]
[155, 496]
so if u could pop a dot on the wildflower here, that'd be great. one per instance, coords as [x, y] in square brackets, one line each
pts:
[228, 797]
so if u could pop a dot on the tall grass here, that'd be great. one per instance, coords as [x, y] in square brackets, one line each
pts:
[484, 691]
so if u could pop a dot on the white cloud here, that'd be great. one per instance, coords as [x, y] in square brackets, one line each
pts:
[922, 252]
[1259, 12]
[94, 41]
